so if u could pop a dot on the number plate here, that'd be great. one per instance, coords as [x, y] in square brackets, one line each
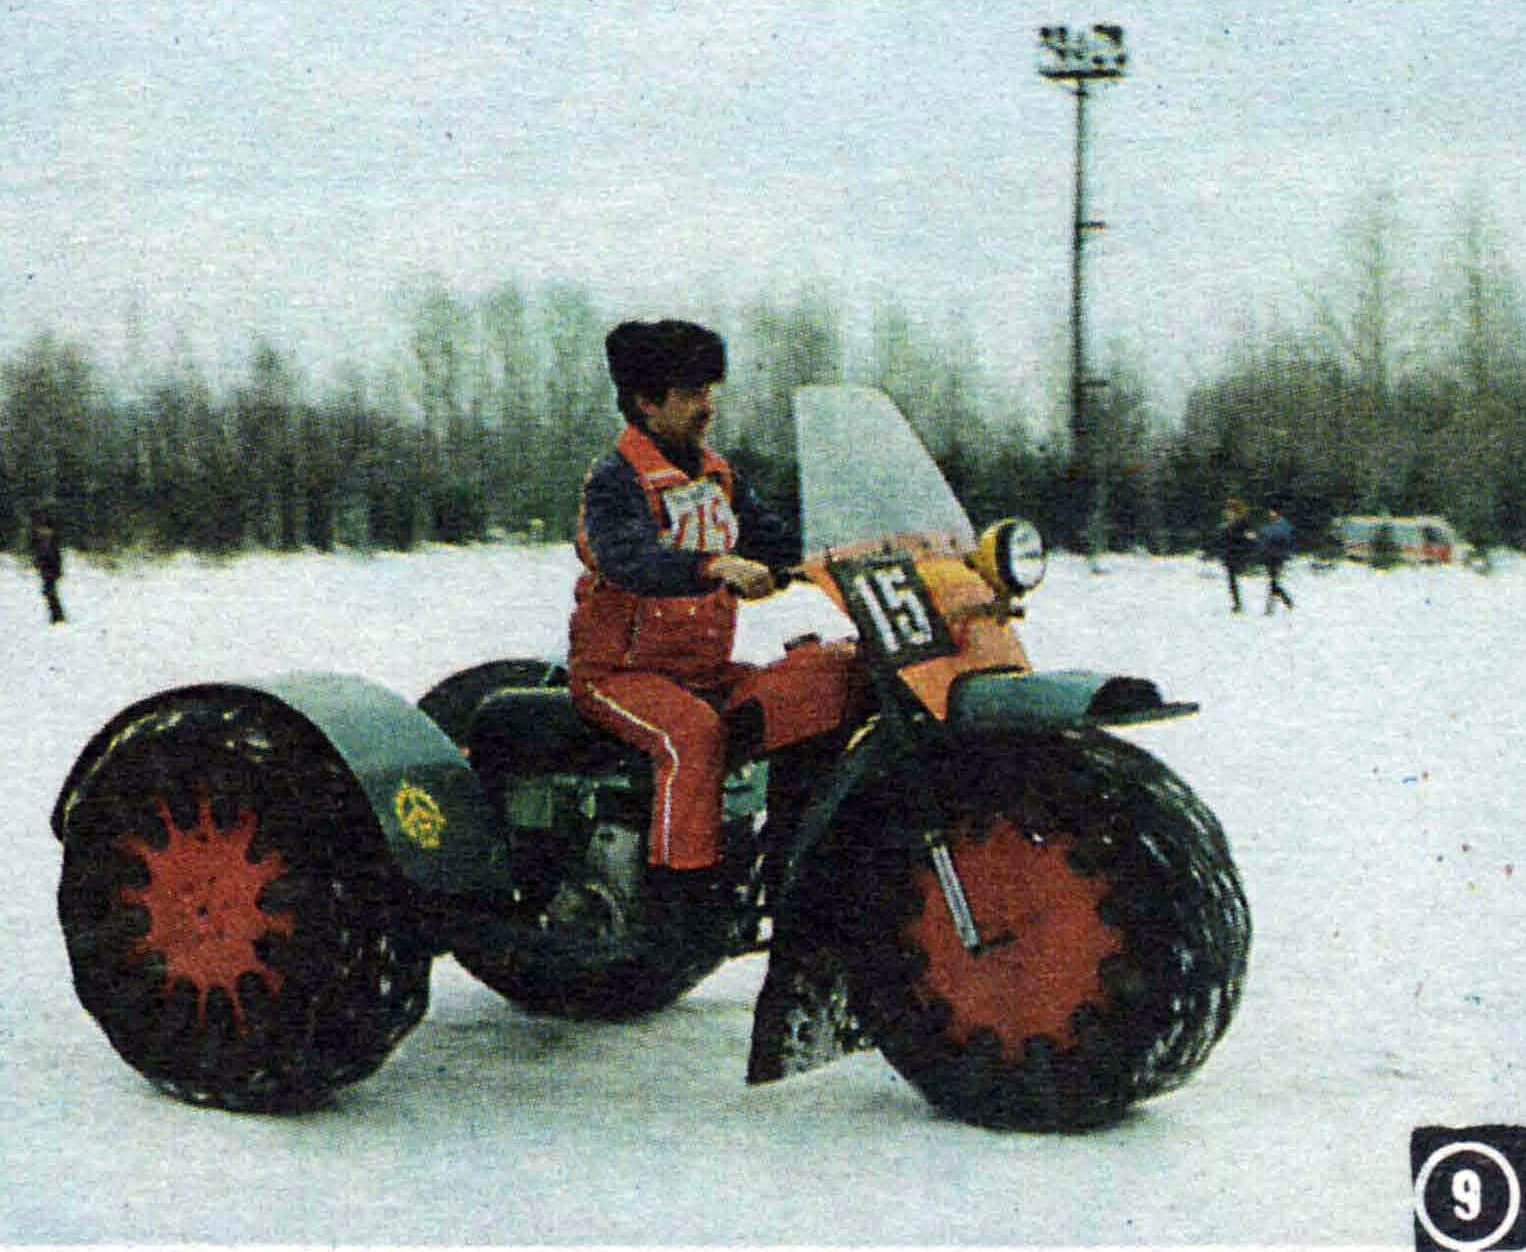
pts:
[890, 605]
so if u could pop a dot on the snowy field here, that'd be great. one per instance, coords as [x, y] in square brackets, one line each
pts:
[1364, 754]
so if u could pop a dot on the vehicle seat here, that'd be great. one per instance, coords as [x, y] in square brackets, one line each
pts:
[536, 730]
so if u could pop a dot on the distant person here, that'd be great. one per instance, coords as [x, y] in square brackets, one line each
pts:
[1235, 545]
[1276, 548]
[48, 560]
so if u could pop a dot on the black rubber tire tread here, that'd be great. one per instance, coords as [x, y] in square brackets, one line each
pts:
[546, 973]
[548, 976]
[452, 702]
[354, 971]
[1173, 894]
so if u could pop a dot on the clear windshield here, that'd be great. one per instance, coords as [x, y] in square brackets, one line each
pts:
[864, 473]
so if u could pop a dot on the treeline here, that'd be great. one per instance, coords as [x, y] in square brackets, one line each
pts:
[486, 428]
[1379, 403]
[1372, 404]
[489, 423]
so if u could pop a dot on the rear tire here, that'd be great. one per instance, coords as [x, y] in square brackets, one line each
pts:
[452, 702]
[1116, 925]
[634, 966]
[231, 916]
[550, 976]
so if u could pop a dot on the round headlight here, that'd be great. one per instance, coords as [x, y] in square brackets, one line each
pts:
[1010, 556]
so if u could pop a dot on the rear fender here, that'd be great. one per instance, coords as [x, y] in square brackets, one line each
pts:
[427, 801]
[993, 702]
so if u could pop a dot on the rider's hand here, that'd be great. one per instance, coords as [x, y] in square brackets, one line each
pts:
[749, 579]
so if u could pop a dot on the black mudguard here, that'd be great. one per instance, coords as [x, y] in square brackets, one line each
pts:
[427, 801]
[804, 1016]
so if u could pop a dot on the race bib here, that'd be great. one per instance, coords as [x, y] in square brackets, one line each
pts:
[700, 517]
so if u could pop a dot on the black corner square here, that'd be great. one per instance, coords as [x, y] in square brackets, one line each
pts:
[1467, 1187]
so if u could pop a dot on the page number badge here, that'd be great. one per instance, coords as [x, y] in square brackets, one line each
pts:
[1467, 1187]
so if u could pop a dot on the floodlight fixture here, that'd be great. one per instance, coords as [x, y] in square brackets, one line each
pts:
[1080, 55]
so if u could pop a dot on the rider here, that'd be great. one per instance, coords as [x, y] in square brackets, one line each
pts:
[671, 538]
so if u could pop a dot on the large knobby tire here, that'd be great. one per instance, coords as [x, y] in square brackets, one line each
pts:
[560, 974]
[1116, 931]
[549, 976]
[231, 916]
[630, 954]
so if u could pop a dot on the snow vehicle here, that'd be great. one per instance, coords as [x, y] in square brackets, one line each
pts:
[1413, 540]
[1035, 921]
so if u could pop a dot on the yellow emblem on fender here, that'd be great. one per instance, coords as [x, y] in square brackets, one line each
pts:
[419, 814]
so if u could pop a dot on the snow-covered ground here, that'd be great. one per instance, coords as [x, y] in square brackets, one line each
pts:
[1363, 753]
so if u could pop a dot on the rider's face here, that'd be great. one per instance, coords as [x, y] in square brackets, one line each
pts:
[683, 418]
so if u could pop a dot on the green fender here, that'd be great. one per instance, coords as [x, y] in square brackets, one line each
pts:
[982, 704]
[428, 802]
[1007, 701]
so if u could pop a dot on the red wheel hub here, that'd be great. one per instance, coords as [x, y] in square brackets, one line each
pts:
[1039, 917]
[202, 901]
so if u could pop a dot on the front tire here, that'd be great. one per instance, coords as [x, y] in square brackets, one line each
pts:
[1115, 929]
[231, 916]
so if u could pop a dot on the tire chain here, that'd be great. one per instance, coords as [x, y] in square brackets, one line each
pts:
[375, 987]
[1091, 1084]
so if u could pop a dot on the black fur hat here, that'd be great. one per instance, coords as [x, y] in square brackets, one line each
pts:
[650, 358]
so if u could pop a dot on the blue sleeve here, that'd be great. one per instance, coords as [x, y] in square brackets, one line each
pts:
[764, 535]
[624, 536]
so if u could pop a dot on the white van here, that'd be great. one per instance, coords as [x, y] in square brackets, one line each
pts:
[1417, 540]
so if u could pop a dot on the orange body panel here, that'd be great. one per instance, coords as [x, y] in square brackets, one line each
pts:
[977, 619]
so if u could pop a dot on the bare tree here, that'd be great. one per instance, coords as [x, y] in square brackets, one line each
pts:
[579, 407]
[1365, 335]
[266, 431]
[510, 388]
[779, 349]
[1481, 436]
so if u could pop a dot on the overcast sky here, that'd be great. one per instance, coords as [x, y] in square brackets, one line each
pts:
[285, 169]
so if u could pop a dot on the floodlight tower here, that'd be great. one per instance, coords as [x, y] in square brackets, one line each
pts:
[1079, 58]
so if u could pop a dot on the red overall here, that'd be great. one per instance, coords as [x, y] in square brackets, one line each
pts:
[656, 671]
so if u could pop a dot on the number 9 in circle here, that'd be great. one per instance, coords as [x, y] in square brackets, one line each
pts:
[1467, 1196]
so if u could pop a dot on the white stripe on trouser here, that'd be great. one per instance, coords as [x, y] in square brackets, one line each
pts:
[662, 828]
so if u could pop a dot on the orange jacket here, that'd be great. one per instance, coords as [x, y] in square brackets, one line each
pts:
[649, 603]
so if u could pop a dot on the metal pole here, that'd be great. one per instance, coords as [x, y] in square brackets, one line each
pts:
[1089, 452]
[1078, 428]
[1077, 57]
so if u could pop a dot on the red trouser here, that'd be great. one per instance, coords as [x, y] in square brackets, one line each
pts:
[804, 694]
